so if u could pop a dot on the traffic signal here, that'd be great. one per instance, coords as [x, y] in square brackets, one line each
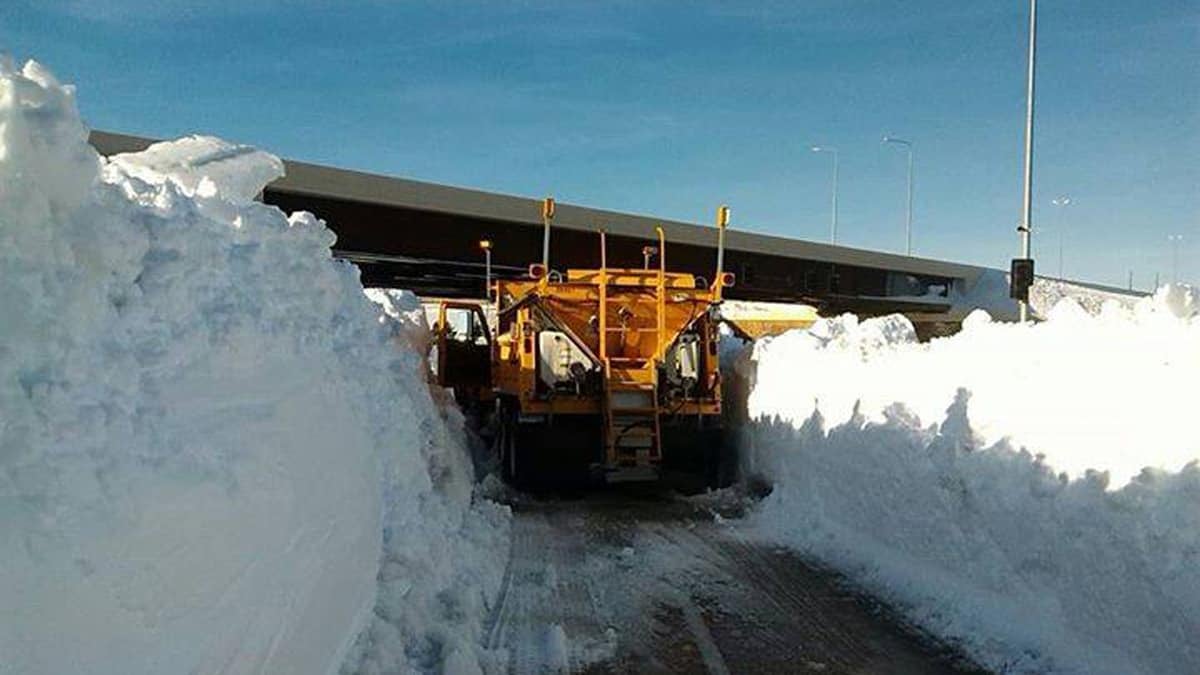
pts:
[1021, 279]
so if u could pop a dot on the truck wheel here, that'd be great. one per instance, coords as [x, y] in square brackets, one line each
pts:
[502, 451]
[720, 459]
[514, 448]
[510, 453]
[516, 469]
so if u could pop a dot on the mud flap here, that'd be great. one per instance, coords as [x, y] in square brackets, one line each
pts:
[698, 448]
[542, 452]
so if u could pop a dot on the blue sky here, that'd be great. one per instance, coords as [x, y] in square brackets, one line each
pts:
[671, 108]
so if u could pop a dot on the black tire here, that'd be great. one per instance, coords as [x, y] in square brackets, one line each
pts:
[721, 465]
[502, 450]
[518, 459]
[511, 469]
[696, 455]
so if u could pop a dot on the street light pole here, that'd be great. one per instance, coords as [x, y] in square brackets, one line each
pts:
[486, 245]
[908, 218]
[1061, 202]
[1026, 228]
[833, 225]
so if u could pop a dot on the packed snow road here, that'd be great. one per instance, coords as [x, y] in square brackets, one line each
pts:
[614, 583]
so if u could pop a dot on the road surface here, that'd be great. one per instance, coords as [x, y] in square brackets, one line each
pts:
[619, 583]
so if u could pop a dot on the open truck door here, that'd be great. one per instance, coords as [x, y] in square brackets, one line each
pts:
[464, 349]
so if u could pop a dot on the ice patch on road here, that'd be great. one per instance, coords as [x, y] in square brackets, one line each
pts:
[991, 484]
[214, 457]
[556, 650]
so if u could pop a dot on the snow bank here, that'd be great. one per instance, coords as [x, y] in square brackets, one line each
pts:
[444, 550]
[213, 457]
[991, 483]
[989, 292]
[1045, 294]
[1111, 392]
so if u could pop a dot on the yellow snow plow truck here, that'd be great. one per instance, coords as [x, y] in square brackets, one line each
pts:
[607, 374]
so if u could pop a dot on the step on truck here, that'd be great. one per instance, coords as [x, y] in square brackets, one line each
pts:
[607, 374]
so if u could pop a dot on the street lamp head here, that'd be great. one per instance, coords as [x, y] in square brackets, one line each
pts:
[1061, 201]
[898, 141]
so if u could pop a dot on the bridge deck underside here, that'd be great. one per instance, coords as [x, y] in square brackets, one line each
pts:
[438, 254]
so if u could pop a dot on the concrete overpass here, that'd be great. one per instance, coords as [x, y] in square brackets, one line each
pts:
[425, 237]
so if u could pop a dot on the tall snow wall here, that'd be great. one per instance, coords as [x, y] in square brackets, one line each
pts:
[1030, 492]
[216, 454]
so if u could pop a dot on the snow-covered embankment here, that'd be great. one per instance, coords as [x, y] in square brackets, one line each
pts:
[213, 455]
[991, 484]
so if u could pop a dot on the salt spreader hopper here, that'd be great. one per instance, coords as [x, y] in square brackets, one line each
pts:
[608, 373]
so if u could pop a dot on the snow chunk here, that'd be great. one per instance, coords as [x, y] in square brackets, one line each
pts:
[1179, 300]
[204, 166]
[46, 164]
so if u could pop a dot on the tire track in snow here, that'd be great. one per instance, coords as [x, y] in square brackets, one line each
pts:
[500, 613]
[610, 584]
[709, 652]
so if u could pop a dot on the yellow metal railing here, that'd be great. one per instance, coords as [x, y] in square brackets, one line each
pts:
[722, 222]
[661, 306]
[547, 221]
[603, 311]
